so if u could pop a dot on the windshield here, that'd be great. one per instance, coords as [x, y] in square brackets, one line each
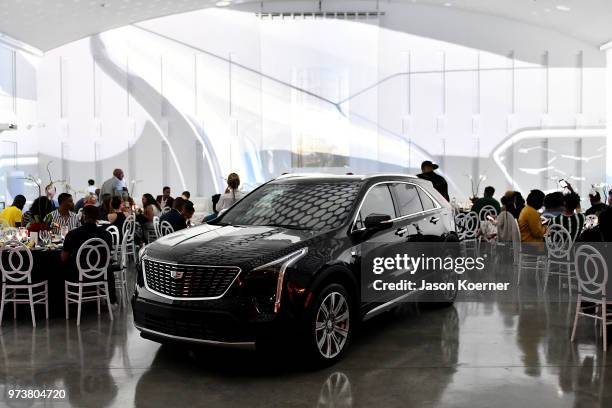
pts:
[322, 206]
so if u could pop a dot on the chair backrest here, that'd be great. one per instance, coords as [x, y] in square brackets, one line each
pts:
[516, 236]
[472, 223]
[123, 253]
[460, 220]
[591, 271]
[156, 226]
[165, 228]
[92, 259]
[16, 262]
[114, 232]
[166, 210]
[487, 211]
[558, 242]
[129, 226]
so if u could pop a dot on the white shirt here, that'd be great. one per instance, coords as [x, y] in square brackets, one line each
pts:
[228, 199]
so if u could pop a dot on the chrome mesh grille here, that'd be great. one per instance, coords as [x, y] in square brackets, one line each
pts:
[188, 281]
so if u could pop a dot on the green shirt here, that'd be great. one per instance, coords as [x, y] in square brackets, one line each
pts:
[481, 202]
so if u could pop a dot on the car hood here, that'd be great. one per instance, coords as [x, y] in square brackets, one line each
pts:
[243, 246]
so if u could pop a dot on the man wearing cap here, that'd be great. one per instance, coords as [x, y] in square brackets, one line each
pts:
[428, 173]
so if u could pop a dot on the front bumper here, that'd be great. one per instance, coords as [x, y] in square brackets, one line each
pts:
[229, 322]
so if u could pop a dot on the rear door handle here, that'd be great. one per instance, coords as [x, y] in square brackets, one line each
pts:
[434, 220]
[401, 231]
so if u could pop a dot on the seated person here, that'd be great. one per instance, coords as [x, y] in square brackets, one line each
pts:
[188, 212]
[553, 204]
[12, 215]
[63, 215]
[231, 195]
[570, 219]
[530, 224]
[117, 217]
[486, 200]
[596, 205]
[77, 237]
[175, 216]
[504, 222]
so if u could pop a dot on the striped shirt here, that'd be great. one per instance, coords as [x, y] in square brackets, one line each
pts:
[72, 221]
[572, 223]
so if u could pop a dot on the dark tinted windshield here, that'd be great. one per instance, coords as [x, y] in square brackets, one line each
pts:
[321, 206]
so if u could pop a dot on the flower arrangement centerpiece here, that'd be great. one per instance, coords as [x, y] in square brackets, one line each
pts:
[475, 184]
[37, 222]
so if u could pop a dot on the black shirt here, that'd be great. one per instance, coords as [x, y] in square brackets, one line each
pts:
[596, 209]
[77, 237]
[439, 183]
[175, 219]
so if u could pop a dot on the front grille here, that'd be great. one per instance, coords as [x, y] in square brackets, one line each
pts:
[188, 281]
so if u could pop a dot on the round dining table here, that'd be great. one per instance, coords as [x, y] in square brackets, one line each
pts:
[48, 265]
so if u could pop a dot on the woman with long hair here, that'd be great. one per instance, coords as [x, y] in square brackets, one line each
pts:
[150, 209]
[232, 195]
[33, 219]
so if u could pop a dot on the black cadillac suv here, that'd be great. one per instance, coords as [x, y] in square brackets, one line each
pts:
[286, 259]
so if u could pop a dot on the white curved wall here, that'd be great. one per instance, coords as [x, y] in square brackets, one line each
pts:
[163, 101]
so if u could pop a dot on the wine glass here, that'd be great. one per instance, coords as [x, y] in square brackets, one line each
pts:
[10, 234]
[45, 237]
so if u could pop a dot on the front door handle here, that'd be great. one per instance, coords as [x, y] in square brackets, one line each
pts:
[401, 231]
[434, 220]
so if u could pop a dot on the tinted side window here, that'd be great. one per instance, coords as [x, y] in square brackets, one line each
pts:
[378, 201]
[408, 201]
[428, 203]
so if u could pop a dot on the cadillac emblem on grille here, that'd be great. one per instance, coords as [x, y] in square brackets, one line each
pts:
[179, 281]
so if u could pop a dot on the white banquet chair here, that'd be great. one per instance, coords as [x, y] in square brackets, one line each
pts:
[129, 231]
[16, 264]
[93, 258]
[121, 274]
[165, 228]
[486, 212]
[559, 252]
[166, 210]
[592, 276]
[523, 259]
[156, 227]
[114, 232]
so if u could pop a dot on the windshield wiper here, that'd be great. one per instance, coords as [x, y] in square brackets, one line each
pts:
[288, 226]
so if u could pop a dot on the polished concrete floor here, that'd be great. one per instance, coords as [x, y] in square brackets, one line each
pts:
[499, 351]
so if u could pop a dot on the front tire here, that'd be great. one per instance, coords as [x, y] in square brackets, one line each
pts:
[329, 325]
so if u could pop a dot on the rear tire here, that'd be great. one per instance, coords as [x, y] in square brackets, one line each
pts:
[328, 325]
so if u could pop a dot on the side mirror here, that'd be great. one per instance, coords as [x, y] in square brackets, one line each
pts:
[377, 221]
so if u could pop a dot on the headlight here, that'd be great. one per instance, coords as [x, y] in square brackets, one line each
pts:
[141, 253]
[280, 266]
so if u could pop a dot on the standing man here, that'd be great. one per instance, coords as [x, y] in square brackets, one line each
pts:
[439, 183]
[165, 200]
[114, 185]
[12, 215]
[91, 186]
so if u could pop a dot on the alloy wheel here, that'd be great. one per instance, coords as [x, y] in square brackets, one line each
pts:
[332, 325]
